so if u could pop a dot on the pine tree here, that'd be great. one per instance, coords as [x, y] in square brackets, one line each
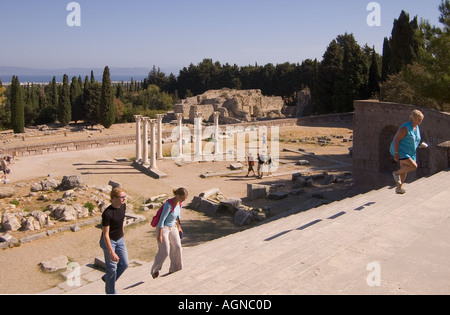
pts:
[17, 106]
[64, 107]
[352, 84]
[107, 108]
[328, 73]
[444, 8]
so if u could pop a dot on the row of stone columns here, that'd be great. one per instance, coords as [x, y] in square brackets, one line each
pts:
[142, 146]
[142, 140]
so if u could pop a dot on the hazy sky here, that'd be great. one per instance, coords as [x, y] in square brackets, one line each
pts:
[175, 33]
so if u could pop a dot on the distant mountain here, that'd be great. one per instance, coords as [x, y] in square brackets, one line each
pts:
[6, 70]
[45, 75]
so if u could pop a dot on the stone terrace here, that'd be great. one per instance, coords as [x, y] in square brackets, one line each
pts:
[334, 249]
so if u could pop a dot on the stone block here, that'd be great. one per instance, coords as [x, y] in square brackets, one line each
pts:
[243, 217]
[208, 207]
[255, 191]
[55, 264]
[278, 195]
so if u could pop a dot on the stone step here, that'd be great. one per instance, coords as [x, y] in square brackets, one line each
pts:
[324, 250]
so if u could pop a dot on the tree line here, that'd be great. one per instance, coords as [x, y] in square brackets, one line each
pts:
[414, 68]
[90, 101]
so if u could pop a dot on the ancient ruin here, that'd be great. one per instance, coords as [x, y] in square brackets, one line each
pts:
[233, 106]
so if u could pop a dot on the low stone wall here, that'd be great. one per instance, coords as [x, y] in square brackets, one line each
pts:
[69, 145]
[345, 118]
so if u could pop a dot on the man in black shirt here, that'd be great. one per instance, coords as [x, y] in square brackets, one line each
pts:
[260, 166]
[112, 241]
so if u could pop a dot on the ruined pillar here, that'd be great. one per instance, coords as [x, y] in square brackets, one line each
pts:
[180, 134]
[145, 161]
[152, 144]
[159, 118]
[198, 136]
[138, 119]
[216, 132]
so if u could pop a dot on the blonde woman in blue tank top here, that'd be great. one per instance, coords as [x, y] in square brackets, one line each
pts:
[404, 147]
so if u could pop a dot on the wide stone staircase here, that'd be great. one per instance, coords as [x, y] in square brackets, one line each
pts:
[376, 243]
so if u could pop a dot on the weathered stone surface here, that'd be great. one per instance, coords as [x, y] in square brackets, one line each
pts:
[208, 207]
[231, 205]
[6, 238]
[210, 192]
[31, 224]
[49, 184]
[55, 264]
[63, 212]
[233, 105]
[255, 191]
[6, 192]
[243, 217]
[70, 182]
[236, 166]
[302, 162]
[278, 195]
[10, 222]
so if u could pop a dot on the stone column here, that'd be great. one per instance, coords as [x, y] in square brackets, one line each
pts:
[138, 138]
[180, 134]
[152, 144]
[216, 132]
[159, 118]
[145, 161]
[198, 136]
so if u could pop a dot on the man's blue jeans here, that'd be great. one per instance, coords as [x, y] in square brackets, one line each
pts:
[114, 269]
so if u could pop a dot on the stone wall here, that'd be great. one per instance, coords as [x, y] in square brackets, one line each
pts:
[70, 145]
[375, 126]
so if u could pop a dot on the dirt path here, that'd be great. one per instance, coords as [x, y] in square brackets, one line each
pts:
[20, 271]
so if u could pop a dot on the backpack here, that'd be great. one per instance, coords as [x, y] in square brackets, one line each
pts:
[157, 216]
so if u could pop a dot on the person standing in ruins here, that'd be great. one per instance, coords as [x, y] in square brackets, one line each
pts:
[251, 163]
[261, 163]
[404, 146]
[5, 169]
[169, 234]
[112, 240]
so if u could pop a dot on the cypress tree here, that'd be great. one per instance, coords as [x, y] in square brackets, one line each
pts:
[17, 107]
[374, 75]
[76, 93]
[107, 108]
[404, 44]
[54, 94]
[386, 63]
[64, 107]
[91, 99]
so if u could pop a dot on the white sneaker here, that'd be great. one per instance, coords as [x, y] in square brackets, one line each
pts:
[423, 145]
[400, 191]
[397, 178]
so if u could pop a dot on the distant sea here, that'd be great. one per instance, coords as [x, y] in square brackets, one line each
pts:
[48, 78]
